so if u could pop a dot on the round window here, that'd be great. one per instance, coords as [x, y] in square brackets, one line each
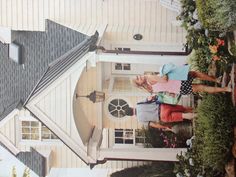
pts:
[117, 107]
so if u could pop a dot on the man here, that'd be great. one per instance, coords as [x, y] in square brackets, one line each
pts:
[151, 113]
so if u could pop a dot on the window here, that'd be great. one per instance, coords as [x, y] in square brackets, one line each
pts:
[47, 134]
[117, 107]
[124, 136]
[122, 66]
[130, 136]
[30, 130]
[34, 130]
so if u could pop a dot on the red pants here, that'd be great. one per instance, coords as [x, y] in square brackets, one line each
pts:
[171, 113]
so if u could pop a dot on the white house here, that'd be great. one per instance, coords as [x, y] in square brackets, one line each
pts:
[46, 65]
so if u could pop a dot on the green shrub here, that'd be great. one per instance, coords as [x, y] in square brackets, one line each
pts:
[214, 131]
[233, 49]
[157, 169]
[217, 15]
[199, 61]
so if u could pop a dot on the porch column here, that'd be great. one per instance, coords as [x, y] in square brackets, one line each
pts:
[141, 59]
[153, 154]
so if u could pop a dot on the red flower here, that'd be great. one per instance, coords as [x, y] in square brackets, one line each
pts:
[220, 42]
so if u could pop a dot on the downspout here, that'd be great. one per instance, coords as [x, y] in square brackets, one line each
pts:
[136, 52]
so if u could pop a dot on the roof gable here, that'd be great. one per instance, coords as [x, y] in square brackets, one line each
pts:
[39, 49]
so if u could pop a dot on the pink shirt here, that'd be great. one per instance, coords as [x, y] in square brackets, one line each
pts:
[172, 86]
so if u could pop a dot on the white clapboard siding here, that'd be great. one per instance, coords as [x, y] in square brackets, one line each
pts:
[8, 130]
[56, 105]
[124, 18]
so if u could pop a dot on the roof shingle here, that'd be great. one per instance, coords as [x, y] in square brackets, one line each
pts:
[39, 49]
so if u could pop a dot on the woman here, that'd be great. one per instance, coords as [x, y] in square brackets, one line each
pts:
[178, 80]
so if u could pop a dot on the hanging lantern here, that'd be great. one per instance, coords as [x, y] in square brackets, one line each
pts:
[95, 96]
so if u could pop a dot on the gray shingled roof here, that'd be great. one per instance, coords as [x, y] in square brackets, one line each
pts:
[64, 62]
[39, 49]
[34, 160]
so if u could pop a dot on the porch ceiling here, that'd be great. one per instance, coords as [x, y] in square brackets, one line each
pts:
[84, 111]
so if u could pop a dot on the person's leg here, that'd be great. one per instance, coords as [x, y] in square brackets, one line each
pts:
[174, 113]
[203, 76]
[188, 116]
[209, 89]
[188, 109]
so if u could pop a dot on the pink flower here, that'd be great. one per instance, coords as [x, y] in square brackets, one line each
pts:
[215, 58]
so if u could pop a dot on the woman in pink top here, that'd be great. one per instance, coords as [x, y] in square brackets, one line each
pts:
[156, 83]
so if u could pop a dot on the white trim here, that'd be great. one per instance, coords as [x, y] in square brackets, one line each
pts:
[141, 59]
[101, 30]
[26, 118]
[38, 142]
[9, 144]
[88, 29]
[146, 46]
[99, 105]
[162, 154]
[9, 116]
[17, 132]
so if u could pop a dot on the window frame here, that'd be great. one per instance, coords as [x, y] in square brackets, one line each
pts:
[40, 132]
[109, 103]
[133, 145]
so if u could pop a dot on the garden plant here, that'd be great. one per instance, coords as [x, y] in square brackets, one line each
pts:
[210, 25]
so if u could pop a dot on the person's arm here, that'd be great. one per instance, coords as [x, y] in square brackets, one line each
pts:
[164, 78]
[158, 125]
[153, 79]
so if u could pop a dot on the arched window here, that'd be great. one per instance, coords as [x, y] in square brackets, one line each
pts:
[117, 107]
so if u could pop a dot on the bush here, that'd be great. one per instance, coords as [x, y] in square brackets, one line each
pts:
[157, 169]
[199, 61]
[217, 15]
[214, 132]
